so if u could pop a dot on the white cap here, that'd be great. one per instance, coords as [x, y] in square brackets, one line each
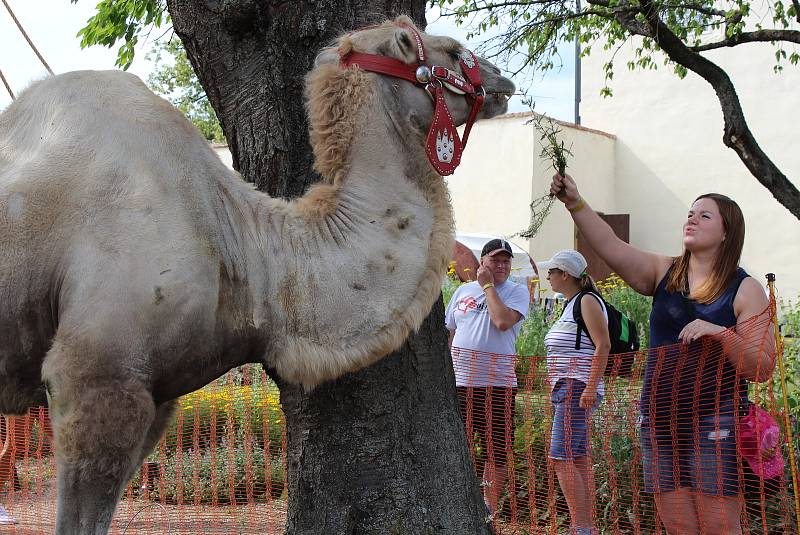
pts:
[569, 261]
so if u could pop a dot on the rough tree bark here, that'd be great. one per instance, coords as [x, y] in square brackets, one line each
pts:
[382, 450]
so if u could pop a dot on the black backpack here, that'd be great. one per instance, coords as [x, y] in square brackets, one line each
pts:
[622, 332]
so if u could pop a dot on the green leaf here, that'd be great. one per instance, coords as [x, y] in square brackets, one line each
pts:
[121, 20]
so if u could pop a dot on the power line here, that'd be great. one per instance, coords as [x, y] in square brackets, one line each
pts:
[5, 83]
[24, 34]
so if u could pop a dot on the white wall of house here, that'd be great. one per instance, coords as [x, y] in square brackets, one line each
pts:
[501, 172]
[224, 154]
[491, 188]
[669, 150]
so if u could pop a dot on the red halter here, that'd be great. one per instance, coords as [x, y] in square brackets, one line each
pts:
[443, 145]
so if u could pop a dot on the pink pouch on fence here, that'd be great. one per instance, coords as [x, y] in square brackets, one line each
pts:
[760, 443]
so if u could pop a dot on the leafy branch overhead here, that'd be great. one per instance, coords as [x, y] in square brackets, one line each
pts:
[173, 77]
[122, 20]
[672, 32]
[536, 27]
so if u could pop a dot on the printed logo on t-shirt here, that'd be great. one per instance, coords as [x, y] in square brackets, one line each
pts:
[469, 303]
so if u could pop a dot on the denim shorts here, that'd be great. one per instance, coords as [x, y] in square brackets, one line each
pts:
[569, 438]
[701, 457]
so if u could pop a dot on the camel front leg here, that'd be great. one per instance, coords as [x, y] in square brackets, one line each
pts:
[100, 430]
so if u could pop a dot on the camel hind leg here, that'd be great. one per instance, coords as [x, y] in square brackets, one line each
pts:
[163, 416]
[102, 416]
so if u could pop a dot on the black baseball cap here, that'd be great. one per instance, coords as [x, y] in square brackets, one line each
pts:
[495, 246]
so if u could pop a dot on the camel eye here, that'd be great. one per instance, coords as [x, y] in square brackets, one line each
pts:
[455, 55]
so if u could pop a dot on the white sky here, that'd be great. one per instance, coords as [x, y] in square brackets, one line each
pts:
[553, 92]
[52, 25]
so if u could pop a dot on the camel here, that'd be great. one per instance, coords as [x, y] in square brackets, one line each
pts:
[137, 268]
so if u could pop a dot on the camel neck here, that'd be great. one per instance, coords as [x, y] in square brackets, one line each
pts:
[342, 272]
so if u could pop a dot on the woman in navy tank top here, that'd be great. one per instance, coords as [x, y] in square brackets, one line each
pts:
[695, 381]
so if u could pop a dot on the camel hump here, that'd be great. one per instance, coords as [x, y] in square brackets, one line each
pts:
[96, 153]
[92, 112]
[81, 90]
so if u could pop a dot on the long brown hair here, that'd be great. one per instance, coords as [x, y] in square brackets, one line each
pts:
[587, 283]
[727, 259]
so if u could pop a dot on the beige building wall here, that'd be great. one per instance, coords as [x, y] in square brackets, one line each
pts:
[669, 150]
[223, 153]
[501, 172]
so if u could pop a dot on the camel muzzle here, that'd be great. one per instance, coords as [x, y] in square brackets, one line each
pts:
[443, 144]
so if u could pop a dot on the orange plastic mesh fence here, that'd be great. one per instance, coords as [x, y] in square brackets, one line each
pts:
[679, 427]
[221, 467]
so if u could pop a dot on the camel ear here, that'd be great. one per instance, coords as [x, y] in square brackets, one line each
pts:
[406, 44]
[328, 55]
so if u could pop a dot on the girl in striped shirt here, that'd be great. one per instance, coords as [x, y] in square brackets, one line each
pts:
[576, 381]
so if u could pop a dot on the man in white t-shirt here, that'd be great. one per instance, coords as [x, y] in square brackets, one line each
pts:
[484, 319]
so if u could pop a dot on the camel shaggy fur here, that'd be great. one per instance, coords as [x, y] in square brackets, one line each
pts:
[137, 268]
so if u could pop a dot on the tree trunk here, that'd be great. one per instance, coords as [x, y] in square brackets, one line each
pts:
[382, 450]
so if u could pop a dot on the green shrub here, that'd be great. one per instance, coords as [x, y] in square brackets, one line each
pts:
[530, 342]
[533, 474]
[449, 287]
[790, 333]
[225, 442]
[235, 472]
[219, 410]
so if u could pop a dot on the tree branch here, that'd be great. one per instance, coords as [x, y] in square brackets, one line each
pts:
[705, 10]
[627, 18]
[565, 17]
[497, 6]
[792, 36]
[625, 14]
[737, 134]
[545, 25]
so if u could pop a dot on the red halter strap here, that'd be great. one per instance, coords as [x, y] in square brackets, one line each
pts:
[382, 65]
[443, 145]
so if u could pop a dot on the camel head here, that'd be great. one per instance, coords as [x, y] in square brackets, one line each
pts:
[383, 106]
[429, 84]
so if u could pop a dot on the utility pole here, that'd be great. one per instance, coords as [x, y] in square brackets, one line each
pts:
[578, 69]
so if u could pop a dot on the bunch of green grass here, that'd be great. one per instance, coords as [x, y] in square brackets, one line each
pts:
[554, 151]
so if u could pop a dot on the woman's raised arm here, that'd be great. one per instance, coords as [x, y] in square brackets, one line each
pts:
[640, 269]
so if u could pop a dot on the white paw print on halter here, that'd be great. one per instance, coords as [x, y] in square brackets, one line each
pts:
[445, 145]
